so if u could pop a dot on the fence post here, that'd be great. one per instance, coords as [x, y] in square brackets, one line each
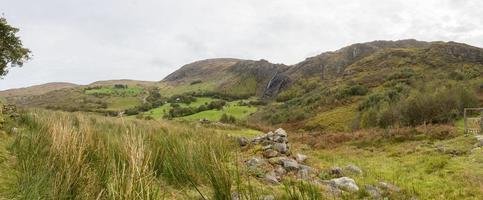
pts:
[464, 118]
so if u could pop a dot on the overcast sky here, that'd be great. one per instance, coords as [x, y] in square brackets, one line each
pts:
[82, 41]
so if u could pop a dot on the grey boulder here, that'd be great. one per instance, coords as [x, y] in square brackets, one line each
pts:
[344, 183]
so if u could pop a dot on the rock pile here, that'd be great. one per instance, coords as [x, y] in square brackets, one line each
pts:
[276, 160]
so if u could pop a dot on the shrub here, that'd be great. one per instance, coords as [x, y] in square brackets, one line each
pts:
[195, 82]
[228, 119]
[352, 90]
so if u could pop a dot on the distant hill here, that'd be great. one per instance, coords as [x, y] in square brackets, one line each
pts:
[37, 89]
[123, 82]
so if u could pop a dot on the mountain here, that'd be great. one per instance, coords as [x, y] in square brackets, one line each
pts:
[227, 75]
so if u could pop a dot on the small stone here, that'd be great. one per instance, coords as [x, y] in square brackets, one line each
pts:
[235, 196]
[389, 187]
[300, 158]
[480, 140]
[290, 164]
[281, 132]
[345, 183]
[303, 174]
[336, 171]
[267, 197]
[269, 153]
[266, 147]
[254, 162]
[271, 178]
[242, 141]
[269, 136]
[374, 191]
[280, 171]
[334, 191]
[276, 160]
[353, 169]
[280, 139]
[257, 140]
[281, 147]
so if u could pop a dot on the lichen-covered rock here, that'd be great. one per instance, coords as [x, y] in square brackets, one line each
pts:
[305, 172]
[290, 164]
[276, 160]
[353, 169]
[267, 197]
[281, 147]
[300, 158]
[270, 153]
[242, 141]
[344, 183]
[479, 138]
[271, 177]
[389, 187]
[373, 191]
[235, 196]
[280, 132]
[254, 162]
[336, 171]
[280, 171]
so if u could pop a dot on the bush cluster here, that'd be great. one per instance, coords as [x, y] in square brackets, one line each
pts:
[228, 119]
[153, 100]
[391, 107]
[178, 111]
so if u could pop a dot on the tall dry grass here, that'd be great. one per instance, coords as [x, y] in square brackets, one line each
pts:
[77, 156]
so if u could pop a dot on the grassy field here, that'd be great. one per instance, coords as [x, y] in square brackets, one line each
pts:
[57, 155]
[169, 90]
[157, 113]
[232, 109]
[117, 104]
[111, 90]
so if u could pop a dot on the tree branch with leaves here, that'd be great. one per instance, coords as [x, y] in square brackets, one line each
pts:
[12, 52]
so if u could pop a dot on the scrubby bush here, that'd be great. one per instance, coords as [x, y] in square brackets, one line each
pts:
[195, 82]
[438, 107]
[352, 90]
[228, 119]
[120, 86]
[391, 107]
[182, 98]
